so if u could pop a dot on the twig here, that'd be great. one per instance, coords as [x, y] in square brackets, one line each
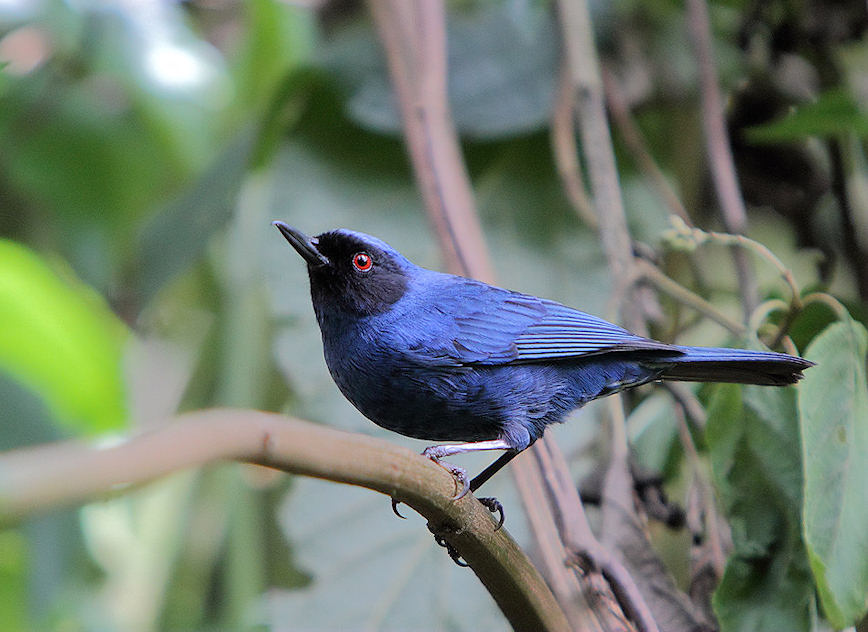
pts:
[691, 405]
[718, 556]
[691, 237]
[632, 137]
[587, 86]
[564, 583]
[42, 478]
[719, 150]
[563, 141]
[645, 270]
[581, 542]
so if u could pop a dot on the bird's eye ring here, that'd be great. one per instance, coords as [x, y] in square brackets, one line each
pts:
[362, 261]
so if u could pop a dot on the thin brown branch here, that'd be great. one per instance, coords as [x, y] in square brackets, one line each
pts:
[39, 479]
[634, 141]
[718, 147]
[565, 584]
[587, 86]
[565, 151]
[709, 509]
[440, 171]
[582, 544]
[647, 271]
[414, 38]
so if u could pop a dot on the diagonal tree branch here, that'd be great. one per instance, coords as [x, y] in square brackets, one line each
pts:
[38, 479]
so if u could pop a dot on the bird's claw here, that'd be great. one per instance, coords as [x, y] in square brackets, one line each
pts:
[451, 550]
[494, 506]
[461, 480]
[395, 503]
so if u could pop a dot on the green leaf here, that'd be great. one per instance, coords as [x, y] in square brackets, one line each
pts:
[277, 37]
[58, 337]
[752, 434]
[13, 580]
[833, 405]
[835, 112]
[177, 236]
[387, 574]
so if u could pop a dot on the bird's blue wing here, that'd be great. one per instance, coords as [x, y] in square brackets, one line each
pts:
[477, 324]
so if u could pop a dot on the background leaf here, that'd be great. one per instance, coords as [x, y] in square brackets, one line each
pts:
[59, 337]
[503, 61]
[833, 113]
[752, 435]
[833, 403]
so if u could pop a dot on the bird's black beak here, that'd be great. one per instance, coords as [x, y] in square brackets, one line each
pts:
[304, 245]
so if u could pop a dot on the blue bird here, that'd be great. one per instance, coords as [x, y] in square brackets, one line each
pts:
[446, 358]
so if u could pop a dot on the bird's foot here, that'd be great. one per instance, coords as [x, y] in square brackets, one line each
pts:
[439, 538]
[494, 506]
[460, 474]
[395, 503]
[451, 550]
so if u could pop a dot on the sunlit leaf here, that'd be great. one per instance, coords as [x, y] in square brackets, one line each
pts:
[833, 402]
[58, 336]
[13, 580]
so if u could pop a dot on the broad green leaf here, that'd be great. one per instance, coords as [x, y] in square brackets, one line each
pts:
[835, 112]
[753, 437]
[833, 405]
[59, 337]
[386, 573]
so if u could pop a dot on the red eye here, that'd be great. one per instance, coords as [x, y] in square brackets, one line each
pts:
[362, 261]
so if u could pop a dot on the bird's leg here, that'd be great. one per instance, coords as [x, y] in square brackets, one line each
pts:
[492, 469]
[437, 452]
[490, 502]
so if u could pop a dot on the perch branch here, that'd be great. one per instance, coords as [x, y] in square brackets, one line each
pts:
[719, 150]
[42, 478]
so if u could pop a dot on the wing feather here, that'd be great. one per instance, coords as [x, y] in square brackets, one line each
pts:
[486, 325]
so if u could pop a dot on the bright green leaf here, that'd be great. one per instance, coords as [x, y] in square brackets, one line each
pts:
[59, 337]
[13, 580]
[833, 406]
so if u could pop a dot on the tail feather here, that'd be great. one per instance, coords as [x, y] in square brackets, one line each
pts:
[741, 366]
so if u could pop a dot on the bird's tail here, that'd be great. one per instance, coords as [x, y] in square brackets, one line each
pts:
[742, 366]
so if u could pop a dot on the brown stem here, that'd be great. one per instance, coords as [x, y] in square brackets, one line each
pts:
[414, 38]
[633, 139]
[649, 272]
[419, 79]
[566, 155]
[719, 150]
[42, 478]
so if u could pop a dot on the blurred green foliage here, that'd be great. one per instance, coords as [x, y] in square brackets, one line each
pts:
[145, 148]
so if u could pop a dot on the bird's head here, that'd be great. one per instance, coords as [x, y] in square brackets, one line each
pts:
[350, 272]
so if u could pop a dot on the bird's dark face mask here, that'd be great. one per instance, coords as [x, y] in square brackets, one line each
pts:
[348, 274]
